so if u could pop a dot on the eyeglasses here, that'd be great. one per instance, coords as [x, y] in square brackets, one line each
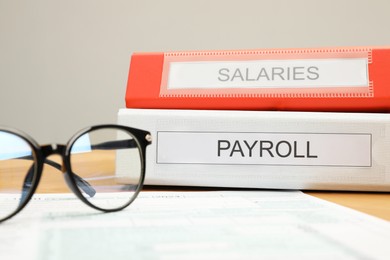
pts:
[22, 160]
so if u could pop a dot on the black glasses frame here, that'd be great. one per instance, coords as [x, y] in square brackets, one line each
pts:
[141, 140]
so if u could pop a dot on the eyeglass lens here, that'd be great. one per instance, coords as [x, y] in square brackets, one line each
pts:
[16, 160]
[93, 158]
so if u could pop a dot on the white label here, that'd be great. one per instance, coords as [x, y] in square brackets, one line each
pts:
[305, 73]
[353, 150]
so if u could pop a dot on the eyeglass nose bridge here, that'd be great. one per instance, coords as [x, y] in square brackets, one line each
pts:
[52, 149]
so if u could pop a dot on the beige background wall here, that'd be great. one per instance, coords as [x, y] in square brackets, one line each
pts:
[64, 64]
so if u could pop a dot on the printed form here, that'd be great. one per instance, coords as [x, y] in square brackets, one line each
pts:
[195, 225]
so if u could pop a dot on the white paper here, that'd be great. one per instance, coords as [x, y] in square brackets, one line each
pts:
[195, 225]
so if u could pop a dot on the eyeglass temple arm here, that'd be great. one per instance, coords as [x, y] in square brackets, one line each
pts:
[115, 145]
[80, 182]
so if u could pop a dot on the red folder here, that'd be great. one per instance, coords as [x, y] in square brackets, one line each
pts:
[316, 79]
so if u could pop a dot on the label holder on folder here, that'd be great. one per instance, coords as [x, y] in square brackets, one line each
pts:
[302, 73]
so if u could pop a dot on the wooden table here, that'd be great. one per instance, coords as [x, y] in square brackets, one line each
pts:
[376, 204]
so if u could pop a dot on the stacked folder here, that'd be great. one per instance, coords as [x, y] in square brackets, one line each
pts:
[275, 118]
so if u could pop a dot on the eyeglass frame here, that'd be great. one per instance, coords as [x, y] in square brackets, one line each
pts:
[142, 138]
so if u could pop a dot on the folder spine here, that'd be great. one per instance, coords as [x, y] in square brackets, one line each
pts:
[348, 79]
[265, 149]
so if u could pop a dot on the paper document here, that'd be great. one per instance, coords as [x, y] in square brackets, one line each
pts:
[195, 225]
